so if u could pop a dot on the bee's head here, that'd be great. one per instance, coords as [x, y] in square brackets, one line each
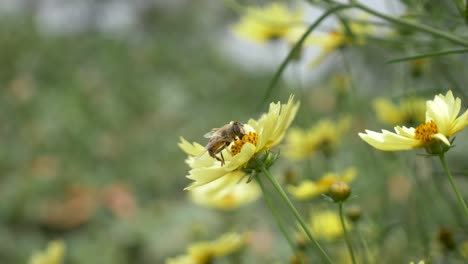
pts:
[238, 128]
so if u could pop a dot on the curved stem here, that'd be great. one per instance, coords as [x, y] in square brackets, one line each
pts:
[285, 198]
[297, 48]
[452, 182]
[345, 232]
[278, 220]
[420, 27]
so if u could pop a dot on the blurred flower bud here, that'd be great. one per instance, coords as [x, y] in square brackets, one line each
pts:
[339, 191]
[354, 213]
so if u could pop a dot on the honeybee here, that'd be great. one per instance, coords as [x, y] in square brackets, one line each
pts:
[220, 138]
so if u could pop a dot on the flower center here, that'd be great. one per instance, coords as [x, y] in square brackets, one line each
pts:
[425, 131]
[236, 147]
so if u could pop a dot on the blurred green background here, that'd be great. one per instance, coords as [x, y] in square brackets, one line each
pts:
[90, 120]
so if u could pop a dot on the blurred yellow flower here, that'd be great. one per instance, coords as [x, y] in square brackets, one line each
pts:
[309, 189]
[225, 194]
[464, 249]
[203, 252]
[324, 137]
[420, 262]
[325, 225]
[54, 254]
[336, 39]
[441, 123]
[410, 111]
[261, 135]
[271, 22]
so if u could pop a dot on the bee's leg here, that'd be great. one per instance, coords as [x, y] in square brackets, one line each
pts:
[222, 159]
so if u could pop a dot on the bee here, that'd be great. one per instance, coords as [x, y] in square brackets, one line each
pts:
[220, 138]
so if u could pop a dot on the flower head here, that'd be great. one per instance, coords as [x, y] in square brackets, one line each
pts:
[260, 136]
[272, 22]
[324, 137]
[309, 189]
[410, 111]
[442, 121]
[204, 251]
[54, 254]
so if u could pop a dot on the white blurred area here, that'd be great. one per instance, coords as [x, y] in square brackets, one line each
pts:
[58, 17]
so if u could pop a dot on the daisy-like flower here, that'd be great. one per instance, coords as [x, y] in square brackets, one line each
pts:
[54, 254]
[442, 121]
[410, 111]
[271, 22]
[325, 225]
[204, 252]
[309, 189]
[260, 136]
[336, 39]
[323, 137]
[225, 194]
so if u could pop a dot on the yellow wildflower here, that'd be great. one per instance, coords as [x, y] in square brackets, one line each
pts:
[204, 251]
[261, 135]
[272, 22]
[54, 254]
[410, 111]
[225, 193]
[336, 39]
[326, 225]
[309, 189]
[420, 262]
[441, 123]
[324, 137]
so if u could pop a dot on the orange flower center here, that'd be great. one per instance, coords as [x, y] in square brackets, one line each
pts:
[425, 131]
[236, 147]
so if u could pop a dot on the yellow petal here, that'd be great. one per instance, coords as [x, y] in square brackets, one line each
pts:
[389, 141]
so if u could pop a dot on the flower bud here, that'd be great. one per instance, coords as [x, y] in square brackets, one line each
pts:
[354, 213]
[339, 191]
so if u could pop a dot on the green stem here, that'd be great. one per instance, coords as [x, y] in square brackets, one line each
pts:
[345, 232]
[368, 257]
[284, 196]
[452, 182]
[297, 48]
[420, 27]
[278, 220]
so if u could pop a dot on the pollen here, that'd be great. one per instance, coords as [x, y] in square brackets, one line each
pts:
[251, 137]
[425, 131]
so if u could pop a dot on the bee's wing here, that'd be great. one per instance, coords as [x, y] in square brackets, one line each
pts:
[211, 133]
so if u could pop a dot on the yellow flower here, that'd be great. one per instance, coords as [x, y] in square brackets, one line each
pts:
[204, 251]
[336, 39]
[262, 134]
[54, 254]
[420, 262]
[326, 225]
[324, 137]
[309, 189]
[272, 22]
[441, 123]
[225, 193]
[410, 111]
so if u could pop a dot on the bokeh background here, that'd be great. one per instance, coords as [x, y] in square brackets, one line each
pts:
[95, 95]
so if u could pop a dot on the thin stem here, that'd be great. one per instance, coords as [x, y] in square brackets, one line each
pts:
[297, 48]
[420, 27]
[345, 232]
[278, 220]
[283, 195]
[452, 182]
